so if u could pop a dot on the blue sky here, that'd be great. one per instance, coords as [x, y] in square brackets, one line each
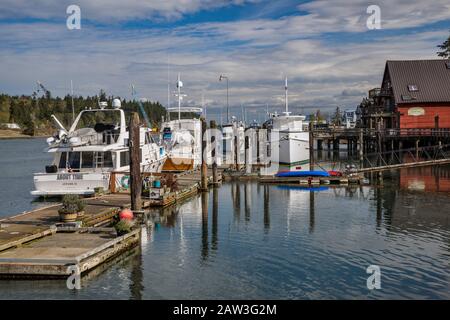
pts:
[324, 47]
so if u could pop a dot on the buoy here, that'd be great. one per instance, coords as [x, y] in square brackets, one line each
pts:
[126, 214]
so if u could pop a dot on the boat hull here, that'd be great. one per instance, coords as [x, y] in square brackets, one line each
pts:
[52, 184]
[178, 164]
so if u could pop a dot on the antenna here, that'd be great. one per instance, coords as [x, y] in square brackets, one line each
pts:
[203, 104]
[179, 86]
[168, 87]
[286, 96]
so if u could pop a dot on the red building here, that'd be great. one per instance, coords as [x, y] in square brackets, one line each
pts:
[414, 94]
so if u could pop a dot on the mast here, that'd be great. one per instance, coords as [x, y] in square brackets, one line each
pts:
[168, 87]
[286, 96]
[179, 85]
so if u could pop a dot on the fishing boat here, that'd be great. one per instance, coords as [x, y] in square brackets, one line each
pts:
[289, 141]
[182, 137]
[95, 146]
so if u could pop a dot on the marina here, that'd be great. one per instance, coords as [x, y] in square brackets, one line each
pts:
[224, 155]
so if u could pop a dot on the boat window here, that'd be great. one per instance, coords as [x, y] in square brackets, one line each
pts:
[124, 158]
[62, 160]
[74, 160]
[87, 159]
[108, 162]
[103, 120]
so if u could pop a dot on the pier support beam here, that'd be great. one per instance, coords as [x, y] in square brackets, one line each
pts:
[417, 149]
[204, 168]
[361, 148]
[214, 143]
[311, 146]
[135, 164]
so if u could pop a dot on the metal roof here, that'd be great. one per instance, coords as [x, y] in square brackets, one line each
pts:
[432, 78]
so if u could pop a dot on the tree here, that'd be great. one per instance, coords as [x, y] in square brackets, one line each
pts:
[337, 117]
[445, 47]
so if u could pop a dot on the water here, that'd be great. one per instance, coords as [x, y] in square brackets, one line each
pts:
[250, 241]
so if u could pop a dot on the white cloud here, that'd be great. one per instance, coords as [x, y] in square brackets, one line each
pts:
[111, 10]
[255, 54]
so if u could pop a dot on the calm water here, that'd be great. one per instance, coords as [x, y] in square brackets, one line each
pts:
[250, 241]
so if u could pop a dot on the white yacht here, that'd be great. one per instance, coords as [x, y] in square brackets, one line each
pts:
[182, 137]
[95, 146]
[183, 140]
[289, 141]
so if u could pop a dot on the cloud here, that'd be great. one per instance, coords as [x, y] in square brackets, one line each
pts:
[111, 10]
[330, 60]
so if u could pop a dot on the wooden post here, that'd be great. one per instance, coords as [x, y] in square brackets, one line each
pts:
[214, 143]
[417, 150]
[248, 155]
[135, 164]
[311, 147]
[361, 148]
[204, 168]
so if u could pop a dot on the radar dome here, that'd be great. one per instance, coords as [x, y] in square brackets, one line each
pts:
[116, 104]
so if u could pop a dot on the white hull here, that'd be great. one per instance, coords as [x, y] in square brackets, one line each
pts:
[82, 183]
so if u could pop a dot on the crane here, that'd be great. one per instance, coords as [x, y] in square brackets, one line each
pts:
[141, 106]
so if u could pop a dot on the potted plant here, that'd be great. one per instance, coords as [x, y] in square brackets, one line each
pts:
[123, 227]
[72, 208]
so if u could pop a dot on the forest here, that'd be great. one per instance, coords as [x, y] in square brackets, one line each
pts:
[33, 113]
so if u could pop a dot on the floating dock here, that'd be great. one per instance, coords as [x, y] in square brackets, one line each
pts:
[35, 245]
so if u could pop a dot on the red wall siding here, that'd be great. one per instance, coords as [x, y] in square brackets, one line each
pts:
[426, 120]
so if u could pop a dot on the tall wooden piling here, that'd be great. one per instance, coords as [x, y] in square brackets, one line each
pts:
[311, 146]
[135, 164]
[214, 143]
[361, 148]
[204, 167]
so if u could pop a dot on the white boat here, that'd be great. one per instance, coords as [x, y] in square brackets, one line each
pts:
[182, 137]
[95, 146]
[289, 141]
[183, 141]
[233, 132]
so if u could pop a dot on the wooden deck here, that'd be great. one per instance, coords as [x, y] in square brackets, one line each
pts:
[33, 244]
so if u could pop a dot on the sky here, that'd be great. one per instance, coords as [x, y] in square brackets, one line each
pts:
[326, 50]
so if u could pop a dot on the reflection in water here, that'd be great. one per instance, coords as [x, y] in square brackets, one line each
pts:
[247, 201]
[205, 244]
[266, 209]
[215, 213]
[311, 211]
[136, 276]
[294, 243]
[236, 196]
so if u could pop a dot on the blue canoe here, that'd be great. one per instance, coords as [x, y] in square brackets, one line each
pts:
[302, 174]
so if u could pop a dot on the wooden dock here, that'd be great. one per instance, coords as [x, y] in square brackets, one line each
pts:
[35, 244]
[32, 244]
[187, 184]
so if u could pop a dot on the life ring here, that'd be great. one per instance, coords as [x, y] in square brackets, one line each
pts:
[125, 182]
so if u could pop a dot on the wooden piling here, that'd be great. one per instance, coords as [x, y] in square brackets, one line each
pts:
[311, 146]
[204, 168]
[361, 148]
[213, 127]
[135, 164]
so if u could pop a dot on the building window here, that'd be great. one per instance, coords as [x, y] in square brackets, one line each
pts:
[447, 64]
[413, 87]
[406, 97]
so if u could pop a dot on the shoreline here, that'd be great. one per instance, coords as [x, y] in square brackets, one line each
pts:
[12, 134]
